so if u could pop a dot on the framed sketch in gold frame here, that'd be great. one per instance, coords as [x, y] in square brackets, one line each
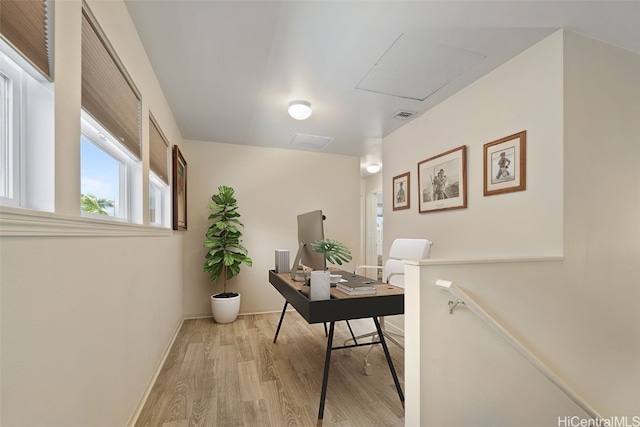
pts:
[442, 181]
[401, 192]
[179, 174]
[505, 164]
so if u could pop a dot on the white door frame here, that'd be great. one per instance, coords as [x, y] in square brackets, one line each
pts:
[371, 229]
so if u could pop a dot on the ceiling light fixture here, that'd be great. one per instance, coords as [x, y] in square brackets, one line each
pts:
[299, 110]
[373, 168]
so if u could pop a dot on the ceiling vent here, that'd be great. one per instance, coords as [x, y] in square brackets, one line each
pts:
[404, 114]
[309, 142]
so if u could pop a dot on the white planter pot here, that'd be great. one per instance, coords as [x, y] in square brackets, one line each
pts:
[225, 310]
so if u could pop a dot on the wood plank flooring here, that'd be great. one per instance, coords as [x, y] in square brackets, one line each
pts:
[233, 375]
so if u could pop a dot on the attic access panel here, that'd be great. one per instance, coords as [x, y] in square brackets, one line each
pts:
[415, 68]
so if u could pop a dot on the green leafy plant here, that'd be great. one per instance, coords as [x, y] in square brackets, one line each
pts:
[333, 251]
[223, 239]
[90, 203]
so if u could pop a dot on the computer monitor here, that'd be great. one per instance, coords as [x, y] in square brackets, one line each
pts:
[310, 229]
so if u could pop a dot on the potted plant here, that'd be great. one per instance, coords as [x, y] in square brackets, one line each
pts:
[225, 252]
[335, 253]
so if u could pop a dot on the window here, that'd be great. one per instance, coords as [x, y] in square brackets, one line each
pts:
[26, 106]
[25, 25]
[111, 169]
[107, 172]
[10, 85]
[108, 149]
[101, 175]
[108, 93]
[26, 134]
[158, 200]
[159, 203]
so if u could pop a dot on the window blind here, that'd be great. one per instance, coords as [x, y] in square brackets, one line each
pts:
[159, 151]
[23, 24]
[108, 93]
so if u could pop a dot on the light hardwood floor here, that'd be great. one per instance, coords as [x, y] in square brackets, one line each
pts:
[233, 375]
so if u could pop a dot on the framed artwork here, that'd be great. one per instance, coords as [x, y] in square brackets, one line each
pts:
[505, 164]
[442, 181]
[401, 192]
[179, 190]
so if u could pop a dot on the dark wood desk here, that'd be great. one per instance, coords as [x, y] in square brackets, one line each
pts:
[387, 301]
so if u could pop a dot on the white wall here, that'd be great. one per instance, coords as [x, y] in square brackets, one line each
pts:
[576, 314]
[502, 103]
[86, 319]
[84, 324]
[272, 187]
[467, 374]
[602, 211]
[526, 95]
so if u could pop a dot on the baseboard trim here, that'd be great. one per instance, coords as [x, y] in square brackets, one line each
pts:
[248, 313]
[136, 413]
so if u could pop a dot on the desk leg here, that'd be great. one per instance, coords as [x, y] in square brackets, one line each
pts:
[353, 336]
[325, 378]
[386, 353]
[284, 310]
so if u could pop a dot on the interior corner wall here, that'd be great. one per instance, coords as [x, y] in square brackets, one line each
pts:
[272, 187]
[602, 226]
[576, 313]
[86, 320]
[524, 94]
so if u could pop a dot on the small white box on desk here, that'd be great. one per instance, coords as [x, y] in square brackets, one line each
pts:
[282, 261]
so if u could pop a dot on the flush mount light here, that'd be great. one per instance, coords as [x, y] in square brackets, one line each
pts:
[373, 168]
[299, 110]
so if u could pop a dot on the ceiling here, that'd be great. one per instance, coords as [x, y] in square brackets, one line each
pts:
[229, 69]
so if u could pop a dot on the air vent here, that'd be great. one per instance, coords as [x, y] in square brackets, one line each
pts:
[309, 142]
[404, 114]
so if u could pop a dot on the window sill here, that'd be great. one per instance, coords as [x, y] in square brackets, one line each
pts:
[16, 222]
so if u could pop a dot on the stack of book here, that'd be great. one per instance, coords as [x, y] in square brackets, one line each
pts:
[353, 288]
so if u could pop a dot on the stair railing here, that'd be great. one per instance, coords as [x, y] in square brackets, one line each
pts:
[466, 300]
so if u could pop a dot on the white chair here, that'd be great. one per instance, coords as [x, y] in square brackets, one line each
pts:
[393, 273]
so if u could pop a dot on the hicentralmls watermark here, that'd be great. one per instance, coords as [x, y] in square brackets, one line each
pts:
[622, 421]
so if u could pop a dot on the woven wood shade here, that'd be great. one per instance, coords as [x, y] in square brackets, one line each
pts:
[23, 23]
[108, 94]
[159, 151]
